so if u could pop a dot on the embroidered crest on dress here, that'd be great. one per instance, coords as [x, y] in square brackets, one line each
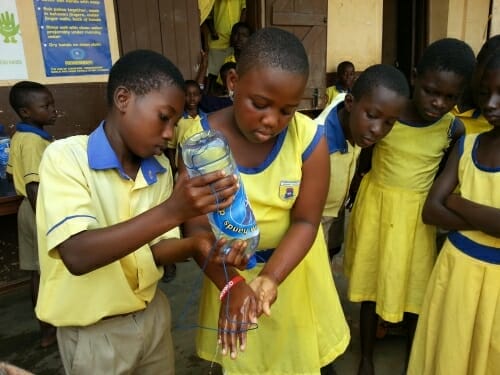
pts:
[289, 189]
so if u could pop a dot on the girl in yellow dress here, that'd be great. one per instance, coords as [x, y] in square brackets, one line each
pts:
[459, 328]
[283, 161]
[390, 252]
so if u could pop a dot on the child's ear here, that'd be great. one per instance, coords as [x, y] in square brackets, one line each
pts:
[24, 113]
[348, 102]
[231, 79]
[121, 98]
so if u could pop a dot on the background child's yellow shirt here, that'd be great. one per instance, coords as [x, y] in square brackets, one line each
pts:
[26, 150]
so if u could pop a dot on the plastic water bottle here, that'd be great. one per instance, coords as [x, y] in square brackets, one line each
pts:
[4, 156]
[207, 152]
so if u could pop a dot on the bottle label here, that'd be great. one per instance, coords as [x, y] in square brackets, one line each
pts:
[237, 220]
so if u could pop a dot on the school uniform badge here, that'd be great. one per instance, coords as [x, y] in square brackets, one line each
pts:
[289, 189]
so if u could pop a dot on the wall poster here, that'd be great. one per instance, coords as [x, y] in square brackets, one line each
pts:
[74, 37]
[12, 58]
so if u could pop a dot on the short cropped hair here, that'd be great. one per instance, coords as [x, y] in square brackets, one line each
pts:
[380, 75]
[19, 95]
[448, 55]
[488, 48]
[343, 66]
[191, 82]
[142, 71]
[274, 48]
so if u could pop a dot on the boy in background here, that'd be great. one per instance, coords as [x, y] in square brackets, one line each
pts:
[34, 105]
[345, 80]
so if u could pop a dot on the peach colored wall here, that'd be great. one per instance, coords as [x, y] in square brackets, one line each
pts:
[354, 33]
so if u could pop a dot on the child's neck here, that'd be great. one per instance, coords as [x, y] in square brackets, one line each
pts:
[344, 124]
[192, 112]
[411, 115]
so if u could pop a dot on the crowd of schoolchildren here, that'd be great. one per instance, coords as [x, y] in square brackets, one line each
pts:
[113, 207]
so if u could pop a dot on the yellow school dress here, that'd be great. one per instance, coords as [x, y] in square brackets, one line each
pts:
[307, 328]
[459, 328]
[473, 120]
[389, 251]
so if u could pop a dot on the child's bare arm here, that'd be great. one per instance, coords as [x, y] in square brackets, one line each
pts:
[32, 192]
[481, 217]
[435, 211]
[305, 216]
[92, 249]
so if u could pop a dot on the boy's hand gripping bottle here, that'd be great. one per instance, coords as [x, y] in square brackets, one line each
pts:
[206, 152]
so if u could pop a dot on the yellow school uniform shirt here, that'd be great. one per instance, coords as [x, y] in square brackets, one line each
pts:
[459, 328]
[332, 92]
[307, 327]
[226, 14]
[26, 149]
[389, 251]
[473, 120]
[205, 6]
[343, 161]
[84, 187]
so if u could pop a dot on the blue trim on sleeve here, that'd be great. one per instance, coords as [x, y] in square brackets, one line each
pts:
[461, 142]
[473, 249]
[101, 156]
[66, 219]
[314, 142]
[335, 136]
[453, 127]
[27, 128]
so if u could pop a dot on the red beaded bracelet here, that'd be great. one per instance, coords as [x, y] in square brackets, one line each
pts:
[235, 280]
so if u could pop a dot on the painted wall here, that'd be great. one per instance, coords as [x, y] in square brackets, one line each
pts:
[354, 33]
[463, 19]
[33, 51]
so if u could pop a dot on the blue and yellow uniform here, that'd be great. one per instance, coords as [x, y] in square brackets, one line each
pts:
[332, 92]
[389, 251]
[473, 120]
[26, 149]
[307, 327]
[184, 123]
[343, 161]
[459, 328]
[84, 173]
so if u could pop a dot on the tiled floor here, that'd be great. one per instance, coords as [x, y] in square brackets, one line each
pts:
[19, 331]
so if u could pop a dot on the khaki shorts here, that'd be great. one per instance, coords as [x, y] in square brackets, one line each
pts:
[26, 234]
[216, 59]
[135, 343]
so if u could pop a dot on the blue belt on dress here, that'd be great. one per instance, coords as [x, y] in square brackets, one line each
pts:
[473, 249]
[260, 256]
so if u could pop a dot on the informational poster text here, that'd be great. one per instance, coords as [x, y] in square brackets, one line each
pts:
[74, 37]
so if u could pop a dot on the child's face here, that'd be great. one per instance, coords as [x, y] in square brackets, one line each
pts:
[193, 97]
[40, 109]
[373, 115]
[239, 37]
[436, 93]
[489, 96]
[148, 121]
[346, 78]
[265, 100]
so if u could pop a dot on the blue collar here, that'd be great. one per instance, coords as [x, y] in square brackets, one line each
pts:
[101, 156]
[341, 89]
[200, 113]
[334, 133]
[27, 128]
